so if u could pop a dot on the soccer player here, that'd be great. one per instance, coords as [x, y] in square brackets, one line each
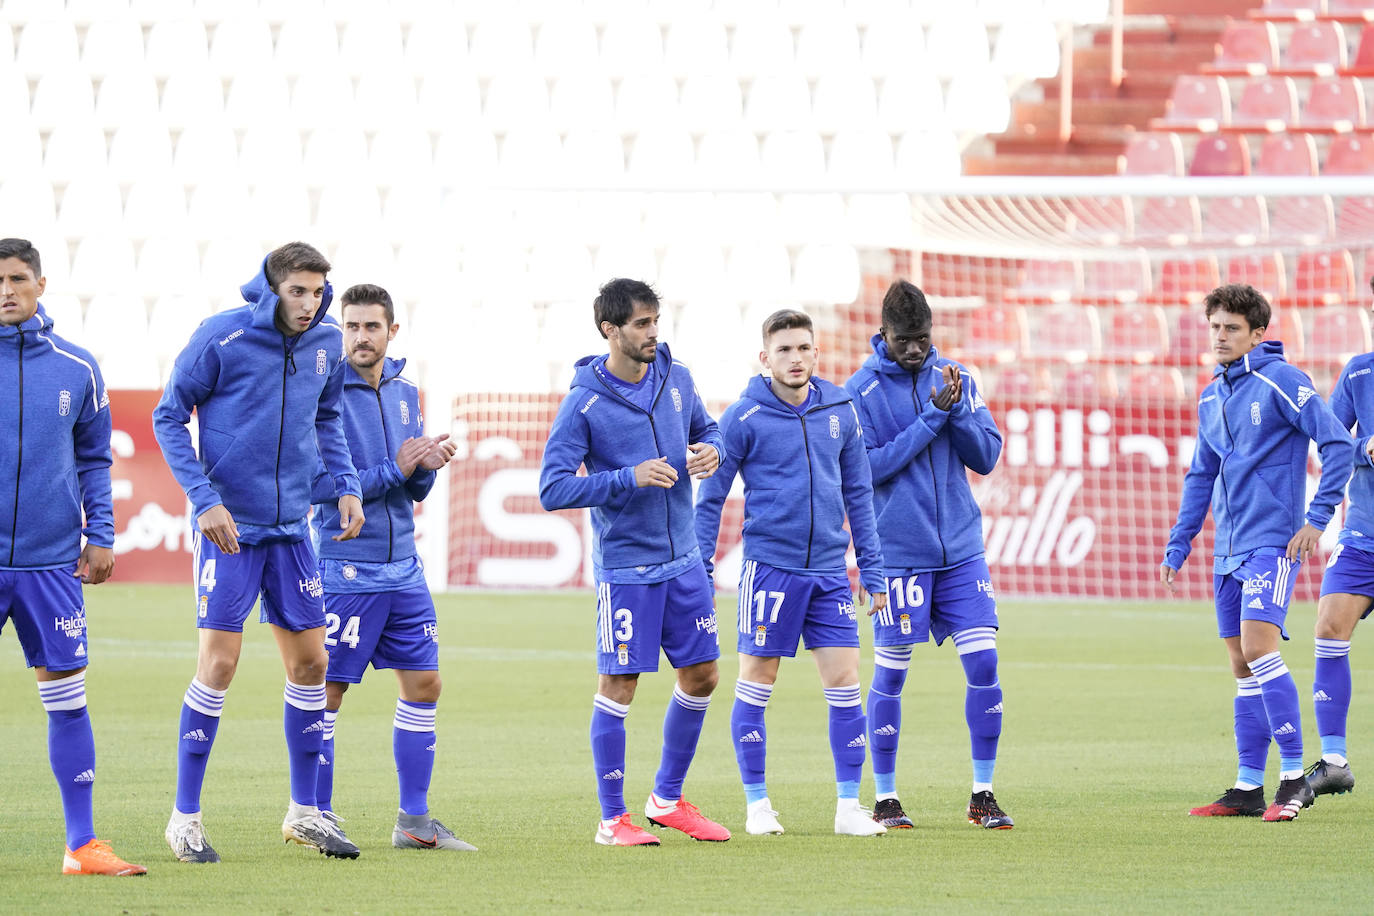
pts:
[264, 381]
[1249, 466]
[55, 452]
[634, 421]
[796, 442]
[378, 607]
[1347, 584]
[925, 427]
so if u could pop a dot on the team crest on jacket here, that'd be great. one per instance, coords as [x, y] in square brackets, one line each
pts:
[1254, 413]
[64, 402]
[405, 414]
[834, 427]
[677, 400]
[321, 361]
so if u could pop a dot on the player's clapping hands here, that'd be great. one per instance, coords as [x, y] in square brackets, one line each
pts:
[441, 451]
[953, 390]
[703, 460]
[656, 472]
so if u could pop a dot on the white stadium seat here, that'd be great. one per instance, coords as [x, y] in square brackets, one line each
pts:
[729, 158]
[828, 45]
[139, 149]
[322, 99]
[173, 319]
[177, 45]
[793, 158]
[307, 43]
[410, 208]
[925, 155]
[956, 43]
[76, 148]
[844, 101]
[229, 262]
[437, 42]
[693, 270]
[192, 96]
[26, 198]
[581, 101]
[861, 157]
[696, 44]
[631, 45]
[204, 151]
[332, 154]
[237, 39]
[517, 100]
[155, 205]
[761, 45]
[501, 44]
[346, 204]
[977, 102]
[257, 95]
[269, 149]
[710, 101]
[385, 99]
[674, 217]
[826, 274]
[759, 270]
[62, 97]
[102, 264]
[778, 101]
[465, 155]
[126, 95]
[662, 156]
[1027, 48]
[593, 156]
[64, 310]
[169, 264]
[46, 45]
[645, 100]
[880, 220]
[91, 205]
[449, 99]
[560, 270]
[401, 153]
[805, 218]
[530, 155]
[281, 207]
[626, 257]
[911, 100]
[112, 44]
[220, 207]
[892, 43]
[371, 43]
[565, 46]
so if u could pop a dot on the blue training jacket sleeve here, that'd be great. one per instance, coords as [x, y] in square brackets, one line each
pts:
[186, 389]
[1342, 405]
[888, 460]
[421, 480]
[567, 447]
[973, 432]
[703, 428]
[322, 487]
[329, 434]
[1193, 505]
[858, 505]
[714, 490]
[1336, 452]
[91, 446]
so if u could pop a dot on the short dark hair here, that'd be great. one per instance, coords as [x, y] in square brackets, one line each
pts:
[1240, 299]
[615, 302]
[23, 250]
[291, 257]
[369, 294]
[905, 306]
[783, 320]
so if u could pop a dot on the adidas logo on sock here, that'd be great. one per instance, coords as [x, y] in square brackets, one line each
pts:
[994, 710]
[860, 741]
[1257, 604]
[1321, 696]
[615, 774]
[316, 726]
[84, 776]
[887, 730]
[195, 734]
[324, 761]
[1285, 729]
[752, 738]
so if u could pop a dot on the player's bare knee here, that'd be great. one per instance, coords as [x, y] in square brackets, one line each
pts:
[216, 669]
[699, 680]
[421, 687]
[309, 669]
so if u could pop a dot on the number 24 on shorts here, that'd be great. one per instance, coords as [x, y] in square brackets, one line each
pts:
[348, 637]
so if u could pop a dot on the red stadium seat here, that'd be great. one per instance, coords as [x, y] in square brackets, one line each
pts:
[1124, 280]
[1221, 154]
[1068, 333]
[1350, 10]
[1363, 64]
[1246, 49]
[1136, 334]
[1100, 220]
[995, 333]
[1286, 325]
[1287, 154]
[1155, 384]
[1306, 220]
[1314, 49]
[1237, 220]
[1020, 385]
[1087, 385]
[1290, 10]
[1338, 334]
[1268, 104]
[1197, 103]
[1154, 154]
[1323, 278]
[1356, 217]
[1043, 281]
[1350, 154]
[1265, 272]
[1185, 281]
[1188, 342]
[1169, 220]
[1335, 104]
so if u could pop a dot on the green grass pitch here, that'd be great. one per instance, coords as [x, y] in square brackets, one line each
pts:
[1118, 720]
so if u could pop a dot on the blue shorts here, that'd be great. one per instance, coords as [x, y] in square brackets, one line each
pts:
[284, 573]
[49, 616]
[939, 603]
[776, 608]
[1350, 571]
[1259, 589]
[634, 621]
[388, 629]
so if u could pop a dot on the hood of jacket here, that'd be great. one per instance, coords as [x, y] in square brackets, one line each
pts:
[263, 301]
[760, 390]
[1268, 351]
[38, 322]
[586, 371]
[390, 369]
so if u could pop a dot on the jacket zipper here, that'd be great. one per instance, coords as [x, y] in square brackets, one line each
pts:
[811, 486]
[1231, 443]
[934, 484]
[390, 531]
[653, 430]
[287, 362]
[19, 465]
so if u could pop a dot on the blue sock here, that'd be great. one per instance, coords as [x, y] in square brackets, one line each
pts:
[977, 648]
[1280, 695]
[1331, 694]
[608, 754]
[681, 729]
[413, 743]
[1252, 734]
[848, 738]
[890, 664]
[324, 783]
[71, 753]
[750, 736]
[200, 713]
[303, 723]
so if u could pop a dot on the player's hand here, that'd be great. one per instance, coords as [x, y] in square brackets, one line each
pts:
[350, 517]
[949, 395]
[411, 453]
[95, 565]
[218, 525]
[703, 460]
[876, 603]
[1166, 575]
[1304, 543]
[440, 451]
[656, 472]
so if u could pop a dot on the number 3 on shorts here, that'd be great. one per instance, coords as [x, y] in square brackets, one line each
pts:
[349, 636]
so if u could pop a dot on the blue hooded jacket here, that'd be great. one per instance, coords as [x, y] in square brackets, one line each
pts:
[599, 429]
[262, 401]
[803, 473]
[54, 448]
[920, 456]
[376, 422]
[1352, 403]
[1250, 462]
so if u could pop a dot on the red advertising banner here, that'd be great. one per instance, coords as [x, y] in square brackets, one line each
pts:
[152, 531]
[1080, 504]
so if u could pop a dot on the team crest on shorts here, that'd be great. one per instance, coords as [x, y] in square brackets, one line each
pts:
[64, 402]
[321, 361]
[677, 400]
[622, 654]
[204, 605]
[905, 624]
[405, 414]
[760, 635]
[350, 571]
[834, 427]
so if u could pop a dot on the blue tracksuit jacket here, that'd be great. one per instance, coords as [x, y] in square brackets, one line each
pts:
[600, 430]
[262, 400]
[1250, 463]
[1352, 401]
[54, 448]
[920, 456]
[376, 422]
[803, 473]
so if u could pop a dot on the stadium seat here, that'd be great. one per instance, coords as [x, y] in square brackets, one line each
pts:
[1236, 220]
[204, 151]
[1335, 104]
[844, 101]
[385, 99]
[112, 44]
[995, 334]
[662, 156]
[192, 97]
[174, 318]
[238, 38]
[778, 101]
[696, 44]
[581, 101]
[1324, 278]
[91, 205]
[103, 264]
[1355, 218]
[343, 204]
[284, 204]
[1267, 104]
[6, 45]
[229, 262]
[1363, 64]
[1027, 47]
[308, 44]
[365, 258]
[1154, 154]
[448, 100]
[401, 153]
[748, 215]
[828, 45]
[129, 370]
[880, 220]
[806, 218]
[1289, 10]
[47, 45]
[1285, 324]
[1081, 385]
[693, 271]
[1020, 385]
[268, 149]
[1117, 281]
[1135, 334]
[219, 207]
[645, 100]
[911, 101]
[1196, 103]
[322, 99]
[29, 194]
[258, 95]
[62, 97]
[1338, 335]
[1221, 155]
[1246, 49]
[169, 264]
[436, 42]
[892, 42]
[1287, 154]
[1350, 154]
[467, 155]
[977, 101]
[1169, 220]
[1189, 337]
[761, 45]
[1352, 10]
[1307, 220]
[126, 95]
[861, 157]
[1042, 281]
[1106, 221]
[74, 149]
[1154, 384]
[337, 153]
[1314, 49]
[1186, 280]
[526, 154]
[64, 310]
[140, 149]
[1265, 272]
[176, 45]
[758, 271]
[560, 271]
[956, 43]
[628, 257]
[632, 45]
[793, 158]
[593, 156]
[710, 102]
[155, 205]
[1070, 333]
[826, 274]
[370, 42]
